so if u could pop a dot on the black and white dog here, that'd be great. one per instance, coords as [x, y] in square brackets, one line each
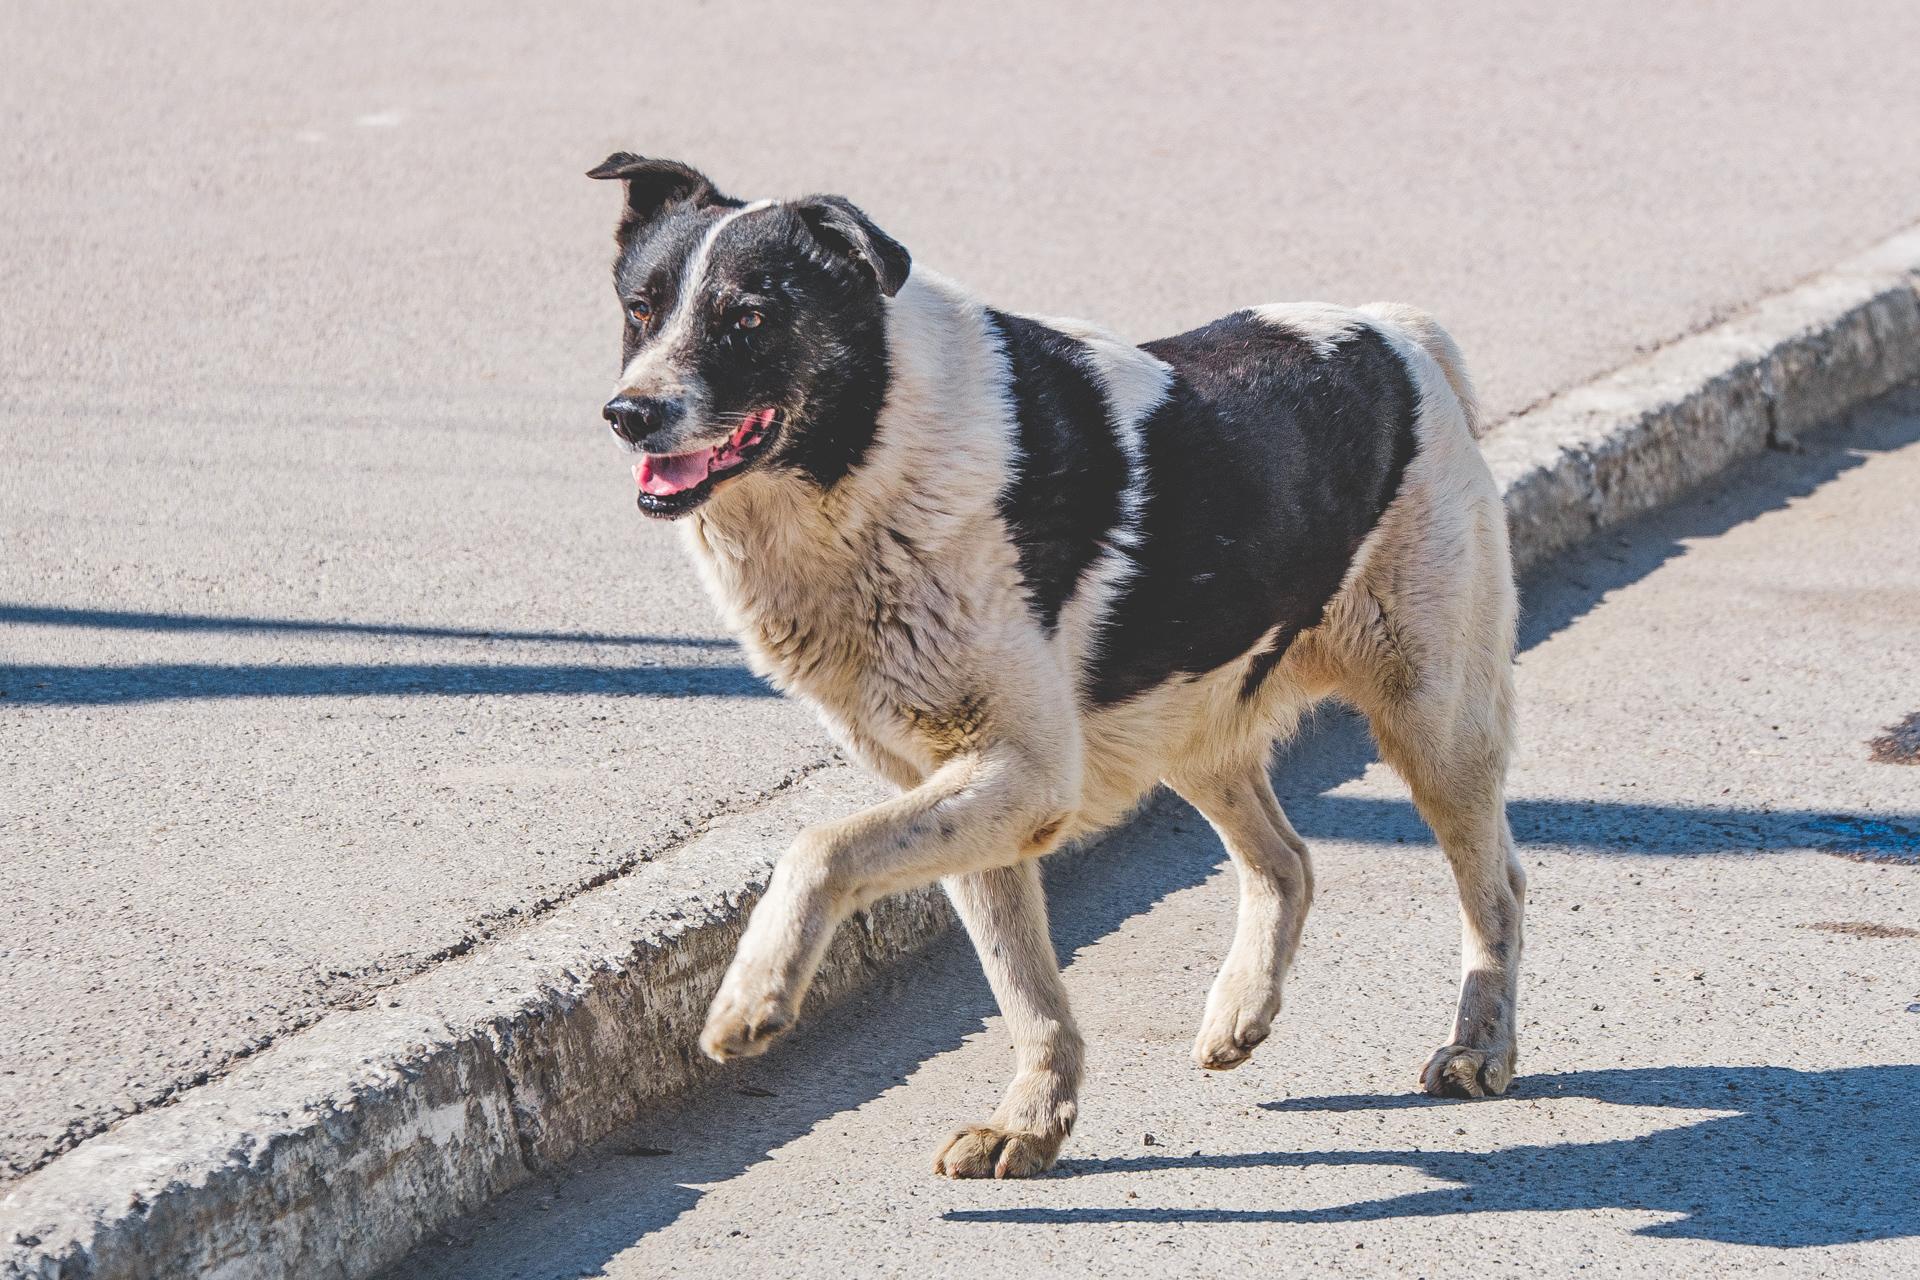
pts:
[1025, 571]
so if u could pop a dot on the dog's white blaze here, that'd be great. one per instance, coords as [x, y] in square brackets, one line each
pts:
[681, 319]
[1323, 324]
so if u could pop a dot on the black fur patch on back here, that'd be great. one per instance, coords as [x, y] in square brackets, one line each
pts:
[1267, 466]
[1063, 498]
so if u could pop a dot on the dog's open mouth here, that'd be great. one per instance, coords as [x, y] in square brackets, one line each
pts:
[675, 483]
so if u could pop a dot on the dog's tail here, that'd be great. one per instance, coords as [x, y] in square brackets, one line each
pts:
[1439, 344]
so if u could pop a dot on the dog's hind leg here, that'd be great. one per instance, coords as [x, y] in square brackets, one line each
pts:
[1276, 888]
[1450, 736]
[1006, 916]
[1457, 782]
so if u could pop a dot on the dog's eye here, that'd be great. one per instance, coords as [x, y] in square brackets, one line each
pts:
[641, 311]
[748, 320]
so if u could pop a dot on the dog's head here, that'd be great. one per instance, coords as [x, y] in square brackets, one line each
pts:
[755, 334]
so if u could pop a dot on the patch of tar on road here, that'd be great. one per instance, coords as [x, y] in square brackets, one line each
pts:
[1865, 929]
[1899, 744]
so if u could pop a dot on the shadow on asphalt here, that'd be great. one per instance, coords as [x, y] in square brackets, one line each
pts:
[107, 684]
[1791, 1129]
[86, 686]
[35, 615]
[1609, 827]
[1804, 1158]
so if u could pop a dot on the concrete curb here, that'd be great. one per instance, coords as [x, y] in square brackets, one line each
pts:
[336, 1151]
[1643, 435]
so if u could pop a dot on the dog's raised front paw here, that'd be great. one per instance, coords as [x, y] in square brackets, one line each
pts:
[982, 1151]
[744, 1026]
[1462, 1071]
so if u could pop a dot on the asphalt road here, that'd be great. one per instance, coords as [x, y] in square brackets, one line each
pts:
[1719, 1010]
[329, 639]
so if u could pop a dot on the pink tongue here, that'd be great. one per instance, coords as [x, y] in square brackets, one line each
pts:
[664, 473]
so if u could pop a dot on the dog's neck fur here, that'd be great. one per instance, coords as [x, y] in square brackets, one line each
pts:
[822, 585]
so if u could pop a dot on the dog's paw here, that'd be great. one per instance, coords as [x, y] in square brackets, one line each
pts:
[987, 1152]
[1461, 1071]
[982, 1151]
[1227, 1038]
[745, 1025]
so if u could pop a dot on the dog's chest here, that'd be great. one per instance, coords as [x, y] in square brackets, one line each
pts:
[877, 642]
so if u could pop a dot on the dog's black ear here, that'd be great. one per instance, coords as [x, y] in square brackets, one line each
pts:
[653, 185]
[849, 233]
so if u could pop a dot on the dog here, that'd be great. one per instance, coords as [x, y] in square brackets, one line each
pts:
[1025, 571]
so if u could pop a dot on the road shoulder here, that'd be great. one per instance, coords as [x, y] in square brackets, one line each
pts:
[339, 1149]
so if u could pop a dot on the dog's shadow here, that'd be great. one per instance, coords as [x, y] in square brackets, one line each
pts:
[1789, 1166]
[1805, 1158]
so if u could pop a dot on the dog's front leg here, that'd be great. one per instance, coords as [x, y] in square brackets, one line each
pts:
[983, 810]
[1005, 912]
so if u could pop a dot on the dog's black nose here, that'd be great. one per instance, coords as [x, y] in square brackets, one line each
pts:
[635, 418]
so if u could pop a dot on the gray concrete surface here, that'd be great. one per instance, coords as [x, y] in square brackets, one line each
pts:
[336, 1150]
[1720, 1007]
[323, 614]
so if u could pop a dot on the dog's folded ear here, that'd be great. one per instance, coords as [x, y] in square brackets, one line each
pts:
[654, 185]
[848, 233]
